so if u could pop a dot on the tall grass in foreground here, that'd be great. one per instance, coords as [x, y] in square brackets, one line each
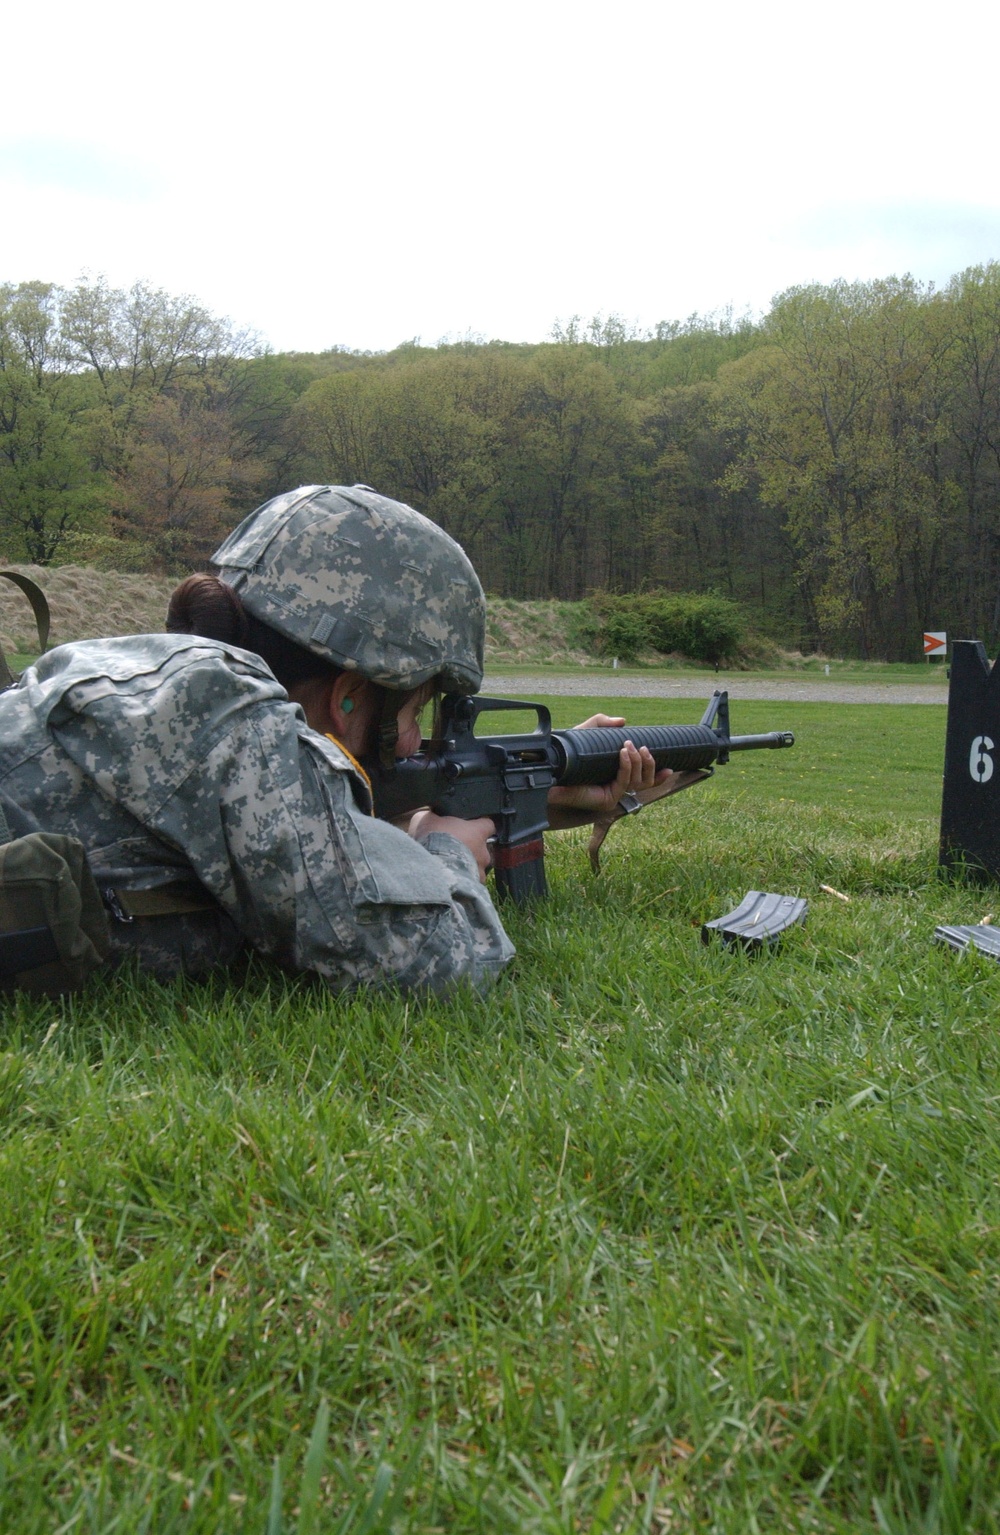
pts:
[654, 1238]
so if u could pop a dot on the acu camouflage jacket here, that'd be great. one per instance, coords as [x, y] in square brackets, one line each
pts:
[169, 755]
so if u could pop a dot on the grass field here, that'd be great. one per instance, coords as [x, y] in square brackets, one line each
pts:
[654, 1238]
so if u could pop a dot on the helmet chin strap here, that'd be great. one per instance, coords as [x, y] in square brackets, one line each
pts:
[390, 701]
[388, 727]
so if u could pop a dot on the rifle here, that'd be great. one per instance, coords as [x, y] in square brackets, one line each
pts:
[508, 777]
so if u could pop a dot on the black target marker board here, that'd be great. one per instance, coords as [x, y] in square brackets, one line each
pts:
[970, 800]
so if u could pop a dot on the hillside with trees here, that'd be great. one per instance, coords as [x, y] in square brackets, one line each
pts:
[834, 468]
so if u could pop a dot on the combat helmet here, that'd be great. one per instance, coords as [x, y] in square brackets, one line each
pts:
[368, 583]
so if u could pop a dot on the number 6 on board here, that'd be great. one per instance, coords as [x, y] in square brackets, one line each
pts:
[980, 761]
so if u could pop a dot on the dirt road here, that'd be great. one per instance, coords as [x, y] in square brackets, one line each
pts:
[607, 684]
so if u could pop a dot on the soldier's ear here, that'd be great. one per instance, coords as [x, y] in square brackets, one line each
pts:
[346, 705]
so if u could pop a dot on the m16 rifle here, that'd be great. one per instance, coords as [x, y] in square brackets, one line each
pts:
[508, 777]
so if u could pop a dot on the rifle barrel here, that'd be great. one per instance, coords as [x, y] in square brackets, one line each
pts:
[773, 740]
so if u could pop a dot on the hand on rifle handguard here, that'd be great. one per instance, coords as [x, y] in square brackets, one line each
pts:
[637, 784]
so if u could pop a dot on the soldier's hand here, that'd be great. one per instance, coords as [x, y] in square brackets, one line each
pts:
[473, 834]
[636, 770]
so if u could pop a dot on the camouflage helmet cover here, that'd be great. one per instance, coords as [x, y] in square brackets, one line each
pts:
[365, 582]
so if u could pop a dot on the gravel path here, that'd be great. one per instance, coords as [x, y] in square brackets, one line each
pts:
[815, 691]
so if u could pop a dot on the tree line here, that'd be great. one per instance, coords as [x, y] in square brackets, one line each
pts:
[833, 467]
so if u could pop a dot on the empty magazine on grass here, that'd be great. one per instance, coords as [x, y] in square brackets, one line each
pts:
[758, 921]
[982, 937]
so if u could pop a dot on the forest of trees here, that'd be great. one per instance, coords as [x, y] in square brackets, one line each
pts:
[834, 467]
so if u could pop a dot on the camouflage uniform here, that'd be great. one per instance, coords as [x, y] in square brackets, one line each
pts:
[168, 755]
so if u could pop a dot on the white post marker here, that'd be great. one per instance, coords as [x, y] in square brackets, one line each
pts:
[935, 642]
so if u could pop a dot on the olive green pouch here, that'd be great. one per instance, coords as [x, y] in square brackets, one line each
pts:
[53, 928]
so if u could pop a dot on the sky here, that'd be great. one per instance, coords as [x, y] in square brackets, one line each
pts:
[353, 174]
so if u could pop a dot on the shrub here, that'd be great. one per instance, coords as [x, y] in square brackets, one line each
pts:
[624, 632]
[702, 627]
[706, 628]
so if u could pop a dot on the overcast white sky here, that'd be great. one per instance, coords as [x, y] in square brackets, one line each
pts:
[360, 174]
